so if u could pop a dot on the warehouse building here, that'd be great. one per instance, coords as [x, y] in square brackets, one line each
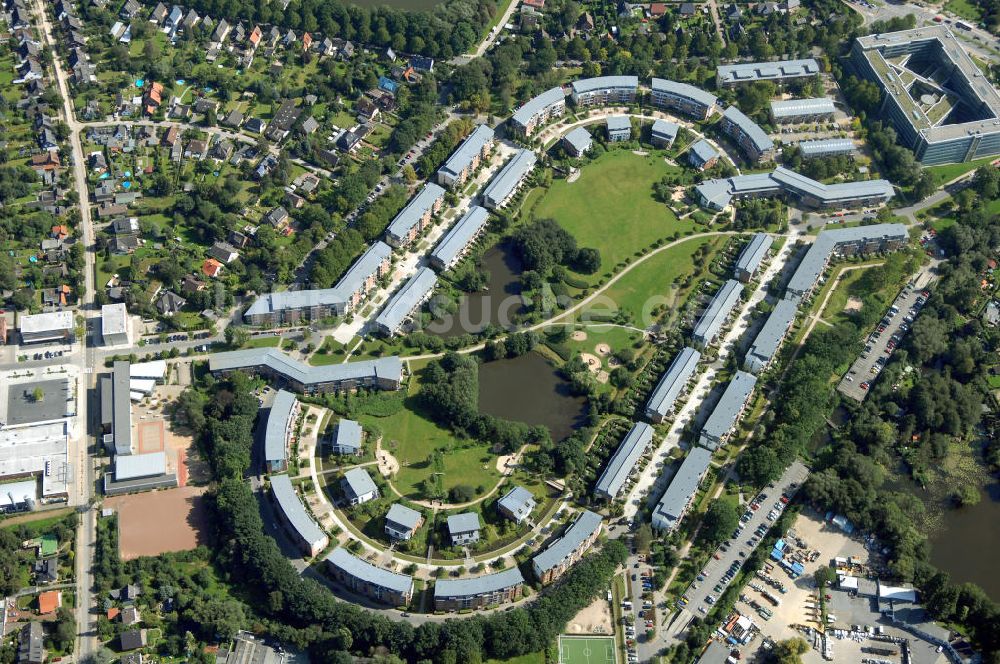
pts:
[727, 412]
[18, 496]
[578, 142]
[682, 97]
[768, 341]
[717, 313]
[827, 147]
[405, 302]
[604, 91]
[778, 72]
[752, 256]
[802, 110]
[683, 488]
[384, 373]
[362, 577]
[936, 97]
[717, 194]
[674, 381]
[114, 324]
[415, 217]
[47, 327]
[752, 140]
[663, 133]
[559, 556]
[293, 307]
[38, 450]
[537, 111]
[853, 241]
[457, 241]
[623, 463]
[478, 592]
[506, 183]
[139, 472]
[358, 486]
[347, 438]
[466, 158]
[281, 421]
[619, 128]
[116, 409]
[308, 536]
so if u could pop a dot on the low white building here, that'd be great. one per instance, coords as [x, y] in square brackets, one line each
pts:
[114, 324]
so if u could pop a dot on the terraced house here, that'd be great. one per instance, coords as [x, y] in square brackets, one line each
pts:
[466, 158]
[415, 217]
[559, 556]
[478, 592]
[538, 111]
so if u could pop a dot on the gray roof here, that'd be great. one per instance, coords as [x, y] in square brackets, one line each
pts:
[365, 571]
[618, 123]
[480, 585]
[114, 319]
[348, 435]
[664, 129]
[767, 71]
[419, 205]
[765, 345]
[580, 139]
[132, 466]
[277, 425]
[518, 501]
[537, 104]
[704, 151]
[406, 299]
[586, 524]
[723, 417]
[718, 310]
[359, 482]
[48, 322]
[673, 381]
[752, 255]
[350, 283]
[682, 489]
[826, 146]
[468, 150]
[389, 368]
[792, 108]
[634, 445]
[604, 83]
[814, 262]
[404, 516]
[466, 522]
[721, 191]
[456, 239]
[761, 141]
[122, 429]
[295, 511]
[683, 90]
[508, 178]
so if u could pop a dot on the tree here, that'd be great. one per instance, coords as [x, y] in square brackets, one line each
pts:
[788, 652]
[824, 576]
[64, 633]
[37, 395]
[644, 537]
[237, 336]
[720, 520]
[966, 496]
[217, 617]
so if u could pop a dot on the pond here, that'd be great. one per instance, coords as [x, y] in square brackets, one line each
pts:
[409, 5]
[528, 389]
[496, 304]
[966, 544]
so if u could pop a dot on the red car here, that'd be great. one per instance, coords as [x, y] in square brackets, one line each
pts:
[784, 499]
[865, 385]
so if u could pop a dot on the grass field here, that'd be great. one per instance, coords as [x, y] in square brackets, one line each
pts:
[965, 9]
[531, 658]
[947, 172]
[611, 206]
[654, 282]
[587, 650]
[411, 437]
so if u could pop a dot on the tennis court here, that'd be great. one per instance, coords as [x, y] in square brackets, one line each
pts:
[587, 650]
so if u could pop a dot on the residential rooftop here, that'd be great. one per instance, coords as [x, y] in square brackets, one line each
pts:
[582, 529]
[766, 71]
[479, 585]
[365, 571]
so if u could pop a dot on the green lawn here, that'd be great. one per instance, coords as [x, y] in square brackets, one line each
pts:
[838, 299]
[587, 650]
[947, 172]
[654, 282]
[965, 9]
[411, 437]
[263, 342]
[530, 658]
[611, 206]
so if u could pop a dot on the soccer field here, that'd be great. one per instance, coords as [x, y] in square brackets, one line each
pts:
[587, 650]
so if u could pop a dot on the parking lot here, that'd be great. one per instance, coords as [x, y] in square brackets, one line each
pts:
[882, 342]
[719, 572]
